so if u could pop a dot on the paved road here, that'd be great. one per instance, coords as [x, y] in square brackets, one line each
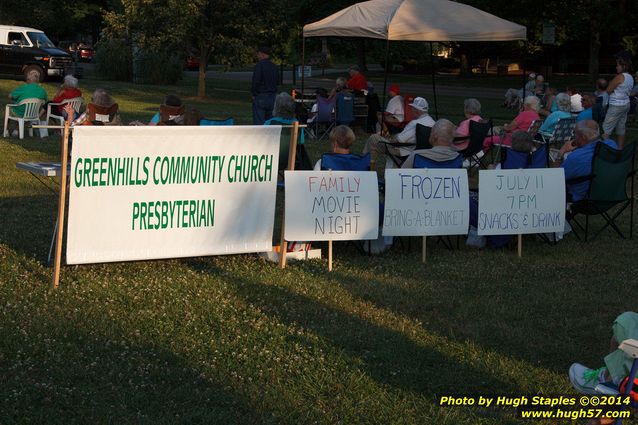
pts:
[328, 82]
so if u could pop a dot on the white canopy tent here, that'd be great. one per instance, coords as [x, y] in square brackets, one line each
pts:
[414, 20]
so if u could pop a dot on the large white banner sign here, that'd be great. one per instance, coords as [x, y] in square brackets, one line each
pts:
[331, 205]
[515, 202]
[141, 193]
[424, 202]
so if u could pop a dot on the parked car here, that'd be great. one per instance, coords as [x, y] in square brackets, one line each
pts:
[80, 51]
[24, 49]
[191, 63]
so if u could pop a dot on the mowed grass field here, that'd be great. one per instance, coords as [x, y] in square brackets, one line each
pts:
[235, 340]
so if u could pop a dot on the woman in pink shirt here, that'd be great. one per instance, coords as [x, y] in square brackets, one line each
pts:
[521, 122]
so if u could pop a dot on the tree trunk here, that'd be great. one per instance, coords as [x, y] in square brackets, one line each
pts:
[465, 65]
[594, 52]
[203, 64]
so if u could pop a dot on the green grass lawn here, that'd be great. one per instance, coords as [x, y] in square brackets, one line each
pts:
[235, 340]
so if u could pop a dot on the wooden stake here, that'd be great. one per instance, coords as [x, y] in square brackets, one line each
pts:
[292, 154]
[520, 246]
[61, 208]
[424, 251]
[329, 256]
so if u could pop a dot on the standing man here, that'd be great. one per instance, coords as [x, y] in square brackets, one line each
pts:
[264, 86]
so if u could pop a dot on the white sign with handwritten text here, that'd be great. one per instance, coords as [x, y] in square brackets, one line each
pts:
[522, 201]
[331, 205]
[424, 202]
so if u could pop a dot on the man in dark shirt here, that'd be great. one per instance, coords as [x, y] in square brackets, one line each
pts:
[264, 86]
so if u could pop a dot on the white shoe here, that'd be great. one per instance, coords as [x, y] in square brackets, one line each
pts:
[585, 380]
[15, 133]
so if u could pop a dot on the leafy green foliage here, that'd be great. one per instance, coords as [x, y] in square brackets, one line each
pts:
[113, 60]
[157, 67]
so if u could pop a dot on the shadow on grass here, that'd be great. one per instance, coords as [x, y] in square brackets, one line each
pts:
[28, 224]
[528, 309]
[48, 146]
[388, 357]
[61, 375]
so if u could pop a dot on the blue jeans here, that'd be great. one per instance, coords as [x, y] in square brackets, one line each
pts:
[262, 107]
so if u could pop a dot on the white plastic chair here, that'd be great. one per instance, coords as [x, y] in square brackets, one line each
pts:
[52, 108]
[31, 114]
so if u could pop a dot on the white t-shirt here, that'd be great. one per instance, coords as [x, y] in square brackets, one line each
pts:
[408, 135]
[577, 106]
[620, 96]
[395, 107]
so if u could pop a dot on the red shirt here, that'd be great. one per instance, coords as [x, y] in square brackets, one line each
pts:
[68, 93]
[358, 82]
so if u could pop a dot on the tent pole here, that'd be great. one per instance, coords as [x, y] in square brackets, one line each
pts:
[436, 108]
[385, 81]
[303, 64]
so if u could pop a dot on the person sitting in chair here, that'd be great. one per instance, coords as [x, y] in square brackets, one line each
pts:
[441, 139]
[341, 140]
[30, 90]
[376, 143]
[521, 122]
[393, 115]
[101, 111]
[68, 90]
[564, 105]
[588, 100]
[617, 362]
[357, 81]
[575, 157]
[284, 106]
[172, 112]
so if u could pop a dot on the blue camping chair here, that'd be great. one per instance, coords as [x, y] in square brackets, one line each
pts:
[345, 162]
[422, 162]
[227, 121]
[344, 108]
[325, 116]
[284, 145]
[513, 160]
[349, 162]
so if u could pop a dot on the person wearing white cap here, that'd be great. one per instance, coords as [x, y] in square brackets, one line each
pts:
[408, 136]
[514, 96]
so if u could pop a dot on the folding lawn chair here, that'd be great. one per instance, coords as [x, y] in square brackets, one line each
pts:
[30, 114]
[344, 108]
[101, 115]
[302, 162]
[422, 142]
[421, 161]
[325, 116]
[611, 168]
[513, 160]
[563, 133]
[345, 162]
[533, 128]
[53, 109]
[479, 130]
[169, 115]
[227, 121]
